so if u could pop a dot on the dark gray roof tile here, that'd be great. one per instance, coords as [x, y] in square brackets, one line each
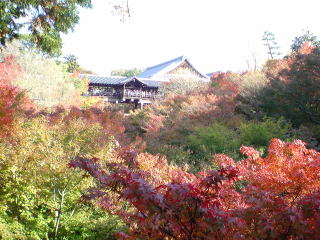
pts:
[104, 80]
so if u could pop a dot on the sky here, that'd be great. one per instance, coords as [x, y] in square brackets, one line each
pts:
[215, 35]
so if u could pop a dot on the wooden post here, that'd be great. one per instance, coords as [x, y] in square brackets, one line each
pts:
[124, 91]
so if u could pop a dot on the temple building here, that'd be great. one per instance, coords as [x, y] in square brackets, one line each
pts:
[142, 89]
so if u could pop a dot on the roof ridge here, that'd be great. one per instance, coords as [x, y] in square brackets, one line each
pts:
[172, 60]
[98, 75]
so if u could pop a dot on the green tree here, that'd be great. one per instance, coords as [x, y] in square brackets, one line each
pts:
[294, 86]
[72, 62]
[306, 37]
[126, 72]
[44, 20]
[39, 193]
[271, 44]
[72, 65]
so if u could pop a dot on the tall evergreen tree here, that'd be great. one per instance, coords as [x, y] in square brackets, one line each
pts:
[271, 44]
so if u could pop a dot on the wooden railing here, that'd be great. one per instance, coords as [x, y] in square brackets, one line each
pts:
[139, 94]
[105, 94]
[132, 94]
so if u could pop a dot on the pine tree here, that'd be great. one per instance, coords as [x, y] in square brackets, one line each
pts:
[271, 44]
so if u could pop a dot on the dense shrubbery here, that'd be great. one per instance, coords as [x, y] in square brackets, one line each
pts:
[39, 193]
[200, 143]
[191, 128]
[234, 109]
[279, 201]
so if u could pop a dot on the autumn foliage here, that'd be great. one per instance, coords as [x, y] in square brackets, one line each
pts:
[178, 114]
[282, 195]
[293, 91]
[12, 99]
[39, 194]
[164, 172]
[279, 197]
[183, 208]
[8, 93]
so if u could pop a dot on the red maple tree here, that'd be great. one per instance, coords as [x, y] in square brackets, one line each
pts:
[279, 198]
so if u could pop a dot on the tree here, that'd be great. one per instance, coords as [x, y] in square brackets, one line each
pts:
[166, 202]
[45, 81]
[250, 84]
[122, 9]
[39, 194]
[73, 66]
[44, 20]
[167, 123]
[276, 197]
[126, 72]
[72, 62]
[293, 91]
[282, 194]
[252, 61]
[8, 94]
[271, 44]
[180, 86]
[13, 99]
[306, 37]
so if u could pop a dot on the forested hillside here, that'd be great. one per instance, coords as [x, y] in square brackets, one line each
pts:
[220, 160]
[236, 157]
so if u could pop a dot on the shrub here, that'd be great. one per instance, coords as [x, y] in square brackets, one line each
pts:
[207, 141]
[204, 142]
[39, 195]
[280, 201]
[258, 134]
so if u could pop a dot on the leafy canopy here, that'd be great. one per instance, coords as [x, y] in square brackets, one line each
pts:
[280, 199]
[72, 62]
[309, 37]
[126, 72]
[44, 81]
[44, 21]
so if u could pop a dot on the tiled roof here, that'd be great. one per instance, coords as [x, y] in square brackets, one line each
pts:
[163, 68]
[104, 80]
[152, 76]
[149, 82]
[119, 80]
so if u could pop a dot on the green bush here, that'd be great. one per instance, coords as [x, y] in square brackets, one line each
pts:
[207, 141]
[204, 142]
[176, 155]
[259, 134]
